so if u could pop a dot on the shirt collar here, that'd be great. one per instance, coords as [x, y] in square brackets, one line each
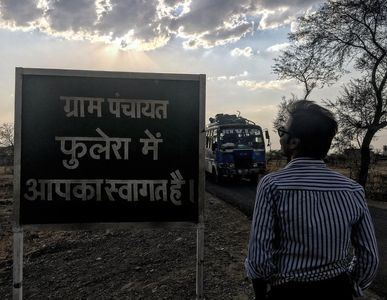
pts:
[305, 162]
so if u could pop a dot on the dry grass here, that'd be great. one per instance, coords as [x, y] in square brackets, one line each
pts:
[376, 188]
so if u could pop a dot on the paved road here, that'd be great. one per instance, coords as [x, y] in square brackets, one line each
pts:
[242, 195]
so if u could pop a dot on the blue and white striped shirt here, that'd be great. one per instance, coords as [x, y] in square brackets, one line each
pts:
[311, 223]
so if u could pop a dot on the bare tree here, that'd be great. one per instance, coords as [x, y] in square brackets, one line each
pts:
[283, 113]
[350, 33]
[6, 135]
[354, 109]
[306, 66]
[7, 141]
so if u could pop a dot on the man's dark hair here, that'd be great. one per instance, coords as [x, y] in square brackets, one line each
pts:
[314, 125]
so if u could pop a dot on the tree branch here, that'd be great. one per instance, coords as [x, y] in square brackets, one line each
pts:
[373, 33]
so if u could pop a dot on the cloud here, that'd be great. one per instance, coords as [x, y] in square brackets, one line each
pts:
[150, 24]
[275, 18]
[277, 13]
[212, 23]
[61, 15]
[266, 108]
[281, 3]
[267, 85]
[19, 13]
[244, 74]
[219, 37]
[248, 51]
[230, 77]
[278, 47]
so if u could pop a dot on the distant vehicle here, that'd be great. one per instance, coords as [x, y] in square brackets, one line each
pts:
[235, 148]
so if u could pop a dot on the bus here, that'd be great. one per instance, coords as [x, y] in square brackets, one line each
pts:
[235, 148]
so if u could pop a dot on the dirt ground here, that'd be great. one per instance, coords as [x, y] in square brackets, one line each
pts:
[137, 264]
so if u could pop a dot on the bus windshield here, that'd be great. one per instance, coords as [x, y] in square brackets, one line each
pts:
[241, 138]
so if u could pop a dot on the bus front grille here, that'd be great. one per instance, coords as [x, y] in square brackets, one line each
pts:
[243, 159]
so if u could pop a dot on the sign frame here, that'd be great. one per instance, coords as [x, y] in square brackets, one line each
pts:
[20, 72]
[18, 229]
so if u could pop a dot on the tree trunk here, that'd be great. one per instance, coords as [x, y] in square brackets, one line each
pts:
[365, 158]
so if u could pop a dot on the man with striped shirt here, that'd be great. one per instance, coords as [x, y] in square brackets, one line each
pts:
[312, 236]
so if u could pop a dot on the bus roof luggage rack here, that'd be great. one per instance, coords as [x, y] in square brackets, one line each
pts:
[229, 119]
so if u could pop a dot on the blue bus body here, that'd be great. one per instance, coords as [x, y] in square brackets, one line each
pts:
[235, 148]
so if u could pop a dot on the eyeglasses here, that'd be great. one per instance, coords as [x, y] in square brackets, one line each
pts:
[281, 131]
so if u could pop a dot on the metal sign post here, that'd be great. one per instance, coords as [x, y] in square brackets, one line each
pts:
[200, 262]
[17, 263]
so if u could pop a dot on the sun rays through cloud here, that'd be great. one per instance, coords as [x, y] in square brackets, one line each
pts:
[148, 25]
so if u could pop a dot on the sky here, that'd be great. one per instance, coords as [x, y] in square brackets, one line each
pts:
[232, 42]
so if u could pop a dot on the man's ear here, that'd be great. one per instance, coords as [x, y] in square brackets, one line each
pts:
[294, 143]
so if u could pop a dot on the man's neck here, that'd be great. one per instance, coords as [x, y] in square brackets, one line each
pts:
[299, 155]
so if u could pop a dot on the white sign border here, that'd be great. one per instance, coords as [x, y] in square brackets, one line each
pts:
[20, 72]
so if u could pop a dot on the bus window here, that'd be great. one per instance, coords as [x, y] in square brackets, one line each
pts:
[242, 139]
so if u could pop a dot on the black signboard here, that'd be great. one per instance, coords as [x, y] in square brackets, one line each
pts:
[108, 147]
